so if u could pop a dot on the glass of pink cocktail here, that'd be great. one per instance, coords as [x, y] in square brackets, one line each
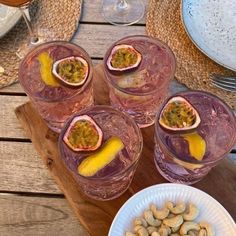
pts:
[138, 70]
[102, 166]
[186, 155]
[57, 77]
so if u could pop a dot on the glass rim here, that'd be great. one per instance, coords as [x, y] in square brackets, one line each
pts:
[169, 151]
[111, 82]
[111, 109]
[63, 42]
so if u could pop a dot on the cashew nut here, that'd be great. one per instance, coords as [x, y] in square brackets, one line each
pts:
[174, 221]
[141, 231]
[164, 230]
[202, 232]
[192, 233]
[178, 209]
[170, 216]
[150, 219]
[140, 221]
[192, 213]
[159, 214]
[186, 226]
[171, 220]
[207, 227]
[129, 234]
[152, 229]
[175, 229]
[155, 234]
[137, 228]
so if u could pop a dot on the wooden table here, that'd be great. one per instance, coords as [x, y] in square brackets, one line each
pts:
[30, 201]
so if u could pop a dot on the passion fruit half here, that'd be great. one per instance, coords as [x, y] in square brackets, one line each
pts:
[179, 115]
[71, 71]
[123, 57]
[83, 134]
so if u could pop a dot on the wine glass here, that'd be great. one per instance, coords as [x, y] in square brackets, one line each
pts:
[123, 12]
[34, 39]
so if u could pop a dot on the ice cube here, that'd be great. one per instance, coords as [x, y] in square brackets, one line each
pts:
[133, 80]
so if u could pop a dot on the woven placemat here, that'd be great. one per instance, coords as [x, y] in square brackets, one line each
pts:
[193, 67]
[58, 19]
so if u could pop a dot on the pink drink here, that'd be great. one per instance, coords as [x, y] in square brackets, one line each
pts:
[217, 128]
[55, 103]
[140, 92]
[113, 180]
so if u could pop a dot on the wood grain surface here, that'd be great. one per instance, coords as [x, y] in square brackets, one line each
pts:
[37, 216]
[25, 171]
[9, 127]
[101, 214]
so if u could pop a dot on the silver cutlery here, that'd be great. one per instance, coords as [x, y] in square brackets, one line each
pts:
[224, 82]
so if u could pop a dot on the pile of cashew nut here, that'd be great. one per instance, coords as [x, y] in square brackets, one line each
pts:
[173, 220]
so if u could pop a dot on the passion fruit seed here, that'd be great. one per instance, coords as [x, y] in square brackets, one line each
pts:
[92, 164]
[72, 71]
[83, 134]
[179, 114]
[124, 57]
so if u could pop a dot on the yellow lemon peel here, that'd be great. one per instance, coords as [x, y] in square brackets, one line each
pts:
[197, 145]
[46, 64]
[187, 165]
[92, 164]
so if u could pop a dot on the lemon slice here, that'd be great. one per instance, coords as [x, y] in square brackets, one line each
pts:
[46, 65]
[92, 164]
[197, 145]
[187, 165]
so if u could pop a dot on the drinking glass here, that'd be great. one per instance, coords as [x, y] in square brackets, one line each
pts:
[140, 91]
[114, 179]
[123, 12]
[34, 38]
[55, 102]
[217, 128]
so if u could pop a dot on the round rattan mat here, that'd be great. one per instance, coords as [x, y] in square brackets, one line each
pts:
[193, 67]
[56, 19]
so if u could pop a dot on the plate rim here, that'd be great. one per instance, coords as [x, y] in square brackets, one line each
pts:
[136, 195]
[197, 45]
[11, 23]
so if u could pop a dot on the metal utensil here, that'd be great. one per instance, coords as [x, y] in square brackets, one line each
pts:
[224, 82]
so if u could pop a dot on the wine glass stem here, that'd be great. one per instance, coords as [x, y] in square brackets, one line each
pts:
[122, 4]
[33, 37]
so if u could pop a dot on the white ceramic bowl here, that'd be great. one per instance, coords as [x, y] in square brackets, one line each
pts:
[210, 210]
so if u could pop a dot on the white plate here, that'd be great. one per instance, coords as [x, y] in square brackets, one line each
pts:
[210, 210]
[9, 16]
[211, 25]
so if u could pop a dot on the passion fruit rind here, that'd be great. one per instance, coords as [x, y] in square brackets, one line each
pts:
[123, 58]
[179, 115]
[83, 134]
[71, 71]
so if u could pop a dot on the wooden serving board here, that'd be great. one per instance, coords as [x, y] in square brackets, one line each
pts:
[97, 216]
